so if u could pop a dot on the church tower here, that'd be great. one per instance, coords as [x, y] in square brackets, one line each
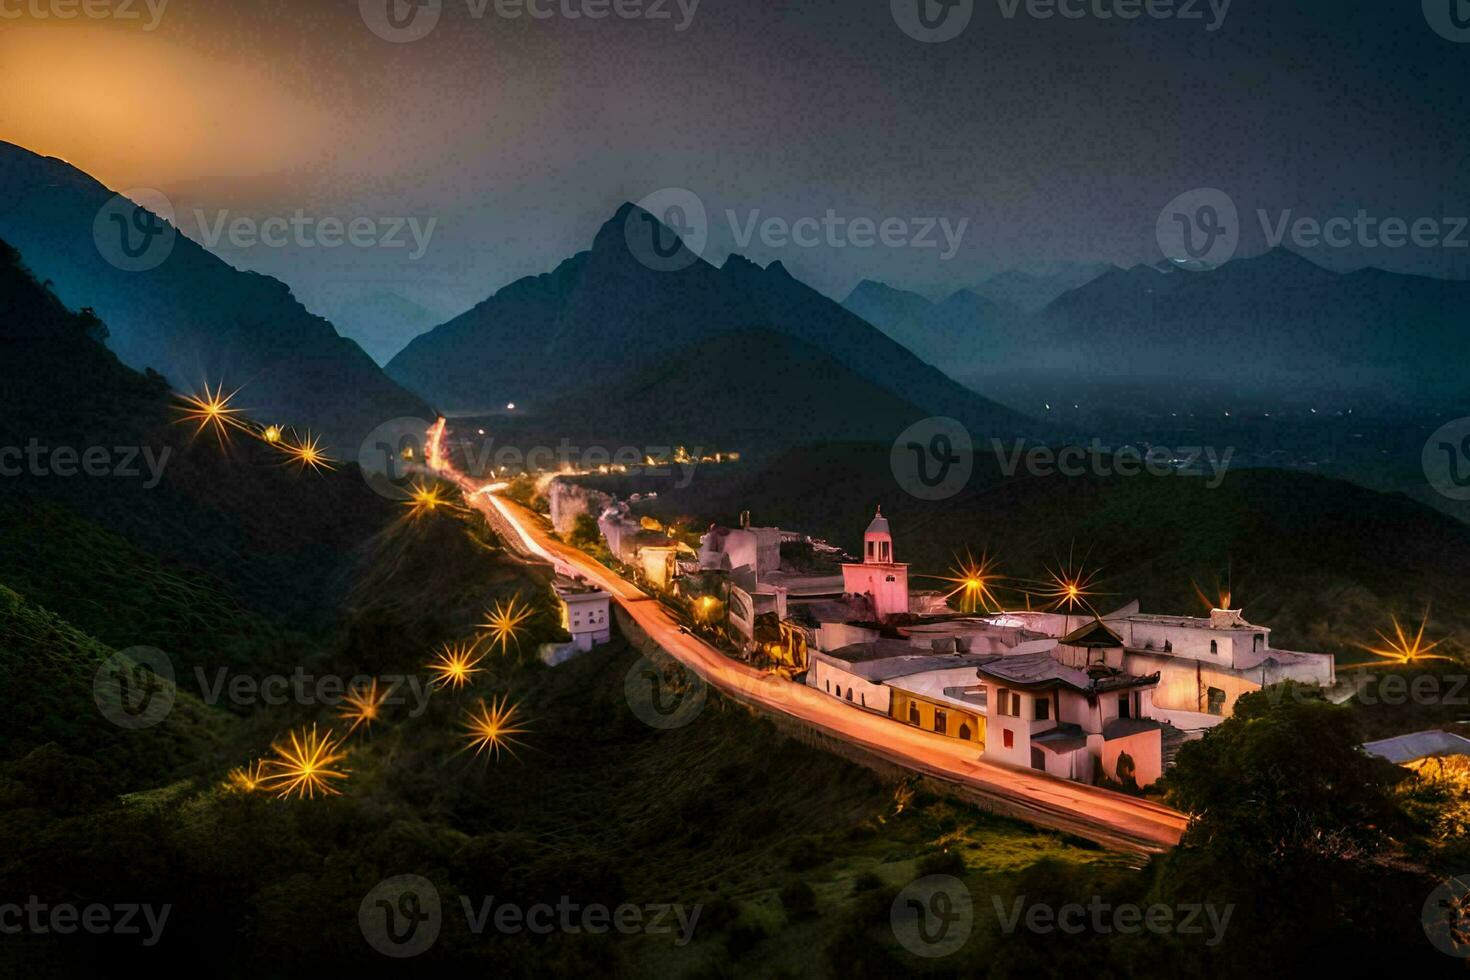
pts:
[878, 541]
[881, 580]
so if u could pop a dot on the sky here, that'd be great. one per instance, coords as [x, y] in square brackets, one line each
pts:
[508, 140]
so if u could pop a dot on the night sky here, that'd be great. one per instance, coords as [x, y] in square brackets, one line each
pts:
[1057, 139]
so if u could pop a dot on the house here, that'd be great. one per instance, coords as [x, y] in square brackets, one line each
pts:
[1042, 714]
[864, 674]
[878, 578]
[1204, 664]
[758, 548]
[584, 613]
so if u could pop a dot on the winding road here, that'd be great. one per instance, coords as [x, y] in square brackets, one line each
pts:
[1114, 820]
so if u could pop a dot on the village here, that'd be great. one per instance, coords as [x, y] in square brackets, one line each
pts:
[1098, 697]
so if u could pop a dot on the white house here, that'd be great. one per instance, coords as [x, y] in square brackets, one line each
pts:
[584, 613]
[1044, 715]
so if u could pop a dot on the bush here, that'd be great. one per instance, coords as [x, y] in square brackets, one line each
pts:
[798, 899]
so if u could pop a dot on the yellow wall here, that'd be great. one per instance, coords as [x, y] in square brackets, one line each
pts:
[899, 709]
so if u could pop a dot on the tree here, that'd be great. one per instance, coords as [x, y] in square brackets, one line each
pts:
[585, 532]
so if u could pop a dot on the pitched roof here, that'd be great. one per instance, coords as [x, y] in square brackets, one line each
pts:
[1093, 634]
[879, 525]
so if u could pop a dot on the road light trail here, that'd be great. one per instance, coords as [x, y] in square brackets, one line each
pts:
[1113, 819]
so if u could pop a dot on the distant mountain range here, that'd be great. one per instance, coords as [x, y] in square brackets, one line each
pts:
[604, 320]
[382, 322]
[193, 318]
[1271, 321]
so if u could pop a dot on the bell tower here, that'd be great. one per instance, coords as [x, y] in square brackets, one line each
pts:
[878, 541]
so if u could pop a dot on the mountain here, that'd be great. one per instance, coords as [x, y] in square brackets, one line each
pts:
[382, 322]
[1029, 291]
[1272, 319]
[191, 316]
[962, 331]
[749, 384]
[606, 314]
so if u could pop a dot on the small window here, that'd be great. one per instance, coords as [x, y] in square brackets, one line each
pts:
[941, 721]
[913, 713]
[1216, 702]
[1168, 646]
[849, 694]
[1043, 709]
[1214, 646]
[863, 698]
[1008, 738]
[1123, 707]
[965, 732]
[829, 686]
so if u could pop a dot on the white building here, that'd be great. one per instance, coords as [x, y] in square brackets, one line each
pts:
[584, 613]
[1044, 715]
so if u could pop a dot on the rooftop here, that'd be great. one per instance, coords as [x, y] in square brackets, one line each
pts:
[1418, 745]
[1041, 669]
[883, 659]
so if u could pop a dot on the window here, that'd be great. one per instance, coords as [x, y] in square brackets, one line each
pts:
[1008, 738]
[1256, 641]
[964, 732]
[913, 713]
[1168, 646]
[849, 694]
[829, 685]
[1038, 760]
[1214, 646]
[1043, 709]
[872, 549]
[941, 721]
[1216, 702]
[863, 698]
[1003, 702]
[1123, 709]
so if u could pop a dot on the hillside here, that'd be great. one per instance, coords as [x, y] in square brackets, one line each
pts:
[193, 318]
[602, 316]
